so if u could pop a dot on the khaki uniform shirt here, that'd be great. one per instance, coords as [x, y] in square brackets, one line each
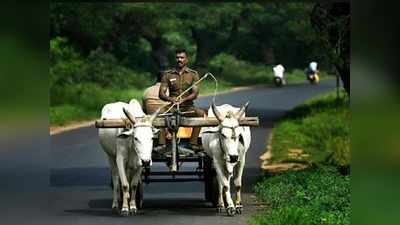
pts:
[177, 84]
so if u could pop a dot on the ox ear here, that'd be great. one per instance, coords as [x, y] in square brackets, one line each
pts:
[155, 114]
[216, 112]
[241, 111]
[129, 115]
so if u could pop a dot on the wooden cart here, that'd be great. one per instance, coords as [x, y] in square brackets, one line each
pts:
[177, 152]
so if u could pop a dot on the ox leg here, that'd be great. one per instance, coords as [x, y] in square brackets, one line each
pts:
[134, 184]
[116, 186]
[220, 205]
[231, 207]
[122, 156]
[223, 181]
[238, 184]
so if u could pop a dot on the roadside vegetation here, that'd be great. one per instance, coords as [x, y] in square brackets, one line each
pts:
[100, 53]
[80, 86]
[317, 135]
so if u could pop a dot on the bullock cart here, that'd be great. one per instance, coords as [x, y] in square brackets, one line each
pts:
[177, 151]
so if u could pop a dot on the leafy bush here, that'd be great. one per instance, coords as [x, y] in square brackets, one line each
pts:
[103, 69]
[78, 81]
[314, 196]
[84, 101]
[66, 65]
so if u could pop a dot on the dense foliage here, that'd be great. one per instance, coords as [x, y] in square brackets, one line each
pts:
[114, 44]
[122, 46]
[320, 129]
[314, 196]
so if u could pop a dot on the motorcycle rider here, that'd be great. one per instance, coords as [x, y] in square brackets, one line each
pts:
[279, 71]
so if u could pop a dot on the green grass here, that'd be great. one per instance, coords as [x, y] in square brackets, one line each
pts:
[320, 127]
[319, 194]
[313, 196]
[85, 103]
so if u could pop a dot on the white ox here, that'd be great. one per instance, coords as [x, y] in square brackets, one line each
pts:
[127, 150]
[227, 145]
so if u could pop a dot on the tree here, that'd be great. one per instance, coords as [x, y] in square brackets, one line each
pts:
[213, 27]
[279, 33]
[86, 25]
[332, 23]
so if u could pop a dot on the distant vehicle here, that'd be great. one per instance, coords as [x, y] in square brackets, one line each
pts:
[279, 79]
[313, 78]
[312, 73]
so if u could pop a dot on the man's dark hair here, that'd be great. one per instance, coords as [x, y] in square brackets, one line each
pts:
[180, 50]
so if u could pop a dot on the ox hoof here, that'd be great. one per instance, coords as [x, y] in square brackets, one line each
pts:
[219, 209]
[231, 211]
[133, 211]
[115, 210]
[124, 212]
[239, 209]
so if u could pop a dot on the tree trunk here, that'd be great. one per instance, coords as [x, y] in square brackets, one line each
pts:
[332, 22]
[344, 73]
[159, 52]
[204, 43]
[268, 54]
[208, 45]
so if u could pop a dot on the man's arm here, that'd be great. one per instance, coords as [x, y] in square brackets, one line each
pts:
[195, 89]
[162, 94]
[193, 95]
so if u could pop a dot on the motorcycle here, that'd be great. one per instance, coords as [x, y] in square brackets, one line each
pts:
[279, 82]
[313, 78]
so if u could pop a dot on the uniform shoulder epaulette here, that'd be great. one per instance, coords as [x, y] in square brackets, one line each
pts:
[191, 70]
[167, 71]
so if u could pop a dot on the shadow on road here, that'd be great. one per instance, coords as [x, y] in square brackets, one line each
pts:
[164, 206]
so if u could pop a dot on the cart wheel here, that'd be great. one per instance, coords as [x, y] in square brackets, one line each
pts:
[139, 195]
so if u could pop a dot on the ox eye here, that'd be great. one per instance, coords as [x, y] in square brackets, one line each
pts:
[136, 139]
[223, 135]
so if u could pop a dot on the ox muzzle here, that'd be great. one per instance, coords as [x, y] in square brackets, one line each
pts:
[233, 158]
[146, 163]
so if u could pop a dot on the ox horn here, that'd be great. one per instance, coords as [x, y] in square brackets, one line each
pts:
[129, 115]
[241, 111]
[216, 112]
[155, 114]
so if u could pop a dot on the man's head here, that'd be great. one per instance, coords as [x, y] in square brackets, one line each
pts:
[181, 58]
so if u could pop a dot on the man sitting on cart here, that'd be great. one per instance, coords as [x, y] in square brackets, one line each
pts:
[176, 81]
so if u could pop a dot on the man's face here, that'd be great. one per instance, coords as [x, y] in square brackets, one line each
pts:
[181, 59]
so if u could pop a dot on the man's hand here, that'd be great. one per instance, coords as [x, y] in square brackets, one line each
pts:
[178, 101]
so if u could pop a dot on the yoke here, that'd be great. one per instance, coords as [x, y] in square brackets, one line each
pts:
[160, 122]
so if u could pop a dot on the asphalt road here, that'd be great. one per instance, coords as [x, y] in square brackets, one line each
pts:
[79, 177]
